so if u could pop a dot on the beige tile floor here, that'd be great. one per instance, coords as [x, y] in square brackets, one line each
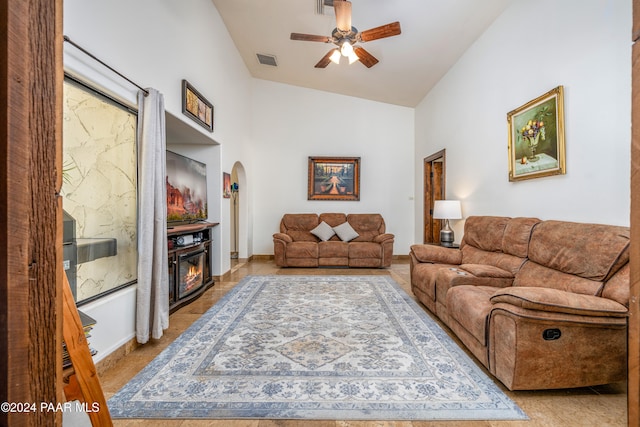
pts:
[602, 406]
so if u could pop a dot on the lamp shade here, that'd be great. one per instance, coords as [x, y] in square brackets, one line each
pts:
[447, 209]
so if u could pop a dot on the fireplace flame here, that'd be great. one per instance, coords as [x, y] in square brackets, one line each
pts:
[192, 277]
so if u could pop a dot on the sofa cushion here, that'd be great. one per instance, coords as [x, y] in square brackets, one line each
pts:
[591, 251]
[554, 300]
[333, 219]
[302, 250]
[323, 231]
[535, 275]
[367, 226]
[299, 226]
[345, 232]
[483, 270]
[485, 232]
[473, 255]
[364, 250]
[517, 234]
[333, 249]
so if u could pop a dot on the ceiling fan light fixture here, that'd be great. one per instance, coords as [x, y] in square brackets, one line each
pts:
[335, 56]
[346, 49]
[344, 36]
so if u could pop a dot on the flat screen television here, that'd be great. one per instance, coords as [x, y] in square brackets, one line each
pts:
[186, 189]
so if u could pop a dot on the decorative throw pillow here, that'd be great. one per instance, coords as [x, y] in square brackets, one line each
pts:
[345, 232]
[323, 231]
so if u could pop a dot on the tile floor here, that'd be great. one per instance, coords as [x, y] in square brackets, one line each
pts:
[603, 406]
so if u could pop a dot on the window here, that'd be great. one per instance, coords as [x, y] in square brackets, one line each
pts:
[99, 192]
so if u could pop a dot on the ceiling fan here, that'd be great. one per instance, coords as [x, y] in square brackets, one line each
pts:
[345, 37]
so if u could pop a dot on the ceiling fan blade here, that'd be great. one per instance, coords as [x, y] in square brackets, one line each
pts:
[381, 32]
[325, 59]
[343, 14]
[365, 57]
[310, 38]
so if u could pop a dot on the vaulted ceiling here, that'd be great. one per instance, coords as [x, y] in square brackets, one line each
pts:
[435, 33]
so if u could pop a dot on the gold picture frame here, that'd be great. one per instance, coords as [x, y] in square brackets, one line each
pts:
[536, 137]
[334, 178]
[196, 106]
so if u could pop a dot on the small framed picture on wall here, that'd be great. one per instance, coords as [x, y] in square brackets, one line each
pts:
[226, 185]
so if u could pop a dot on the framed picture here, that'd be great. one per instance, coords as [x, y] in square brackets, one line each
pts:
[226, 185]
[334, 178]
[536, 137]
[196, 106]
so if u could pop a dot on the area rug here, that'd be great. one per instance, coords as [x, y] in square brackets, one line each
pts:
[314, 347]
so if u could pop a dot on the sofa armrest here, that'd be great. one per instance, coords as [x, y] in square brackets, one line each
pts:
[437, 254]
[382, 238]
[555, 300]
[282, 236]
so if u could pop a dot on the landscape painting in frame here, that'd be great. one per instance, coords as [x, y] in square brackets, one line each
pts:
[536, 137]
[334, 178]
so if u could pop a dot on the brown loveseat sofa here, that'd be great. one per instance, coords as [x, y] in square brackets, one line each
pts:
[541, 304]
[296, 246]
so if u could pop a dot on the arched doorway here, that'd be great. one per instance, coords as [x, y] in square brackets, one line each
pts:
[238, 215]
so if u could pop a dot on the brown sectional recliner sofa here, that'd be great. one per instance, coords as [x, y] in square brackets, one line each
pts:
[296, 246]
[541, 304]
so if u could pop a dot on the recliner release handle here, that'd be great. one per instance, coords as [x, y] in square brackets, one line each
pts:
[551, 334]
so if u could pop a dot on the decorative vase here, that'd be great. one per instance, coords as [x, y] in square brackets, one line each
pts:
[532, 141]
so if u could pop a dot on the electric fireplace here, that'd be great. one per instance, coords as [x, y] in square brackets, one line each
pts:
[189, 250]
[190, 272]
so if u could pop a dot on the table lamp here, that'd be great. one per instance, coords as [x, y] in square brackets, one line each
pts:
[447, 209]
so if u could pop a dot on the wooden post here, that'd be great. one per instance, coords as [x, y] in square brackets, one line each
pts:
[633, 391]
[31, 247]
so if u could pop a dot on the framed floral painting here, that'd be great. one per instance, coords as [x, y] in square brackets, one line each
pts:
[536, 137]
[334, 178]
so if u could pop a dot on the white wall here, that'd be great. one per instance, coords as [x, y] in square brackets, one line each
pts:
[292, 123]
[533, 47]
[157, 43]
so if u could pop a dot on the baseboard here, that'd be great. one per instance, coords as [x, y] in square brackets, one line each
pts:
[261, 257]
[114, 357]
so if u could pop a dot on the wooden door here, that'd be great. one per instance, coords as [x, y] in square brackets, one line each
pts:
[434, 189]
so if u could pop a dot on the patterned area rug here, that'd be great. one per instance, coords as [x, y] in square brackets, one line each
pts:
[314, 347]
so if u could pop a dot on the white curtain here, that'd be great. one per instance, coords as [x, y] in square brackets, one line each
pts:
[152, 305]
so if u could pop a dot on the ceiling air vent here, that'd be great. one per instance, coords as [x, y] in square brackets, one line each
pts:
[267, 59]
[321, 7]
